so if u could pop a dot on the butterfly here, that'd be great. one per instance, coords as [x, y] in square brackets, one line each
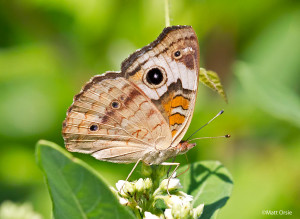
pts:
[142, 112]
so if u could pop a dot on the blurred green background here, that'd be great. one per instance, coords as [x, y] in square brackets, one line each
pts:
[49, 49]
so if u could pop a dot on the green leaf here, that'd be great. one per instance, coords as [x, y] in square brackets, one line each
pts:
[76, 190]
[212, 80]
[209, 182]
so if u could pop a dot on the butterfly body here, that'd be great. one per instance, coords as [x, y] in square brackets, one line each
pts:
[142, 112]
[159, 156]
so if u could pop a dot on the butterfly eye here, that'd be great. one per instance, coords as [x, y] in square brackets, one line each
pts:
[177, 54]
[154, 76]
[115, 105]
[94, 128]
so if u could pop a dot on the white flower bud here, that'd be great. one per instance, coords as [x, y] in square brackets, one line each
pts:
[186, 209]
[149, 215]
[176, 210]
[185, 196]
[119, 184]
[148, 183]
[124, 188]
[128, 188]
[198, 211]
[168, 214]
[140, 185]
[171, 200]
[173, 184]
[120, 187]
[180, 206]
[175, 199]
[123, 201]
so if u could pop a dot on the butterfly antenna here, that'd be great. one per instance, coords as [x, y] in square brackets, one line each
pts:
[223, 136]
[222, 111]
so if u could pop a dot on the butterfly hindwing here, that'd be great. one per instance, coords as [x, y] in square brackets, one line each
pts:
[175, 56]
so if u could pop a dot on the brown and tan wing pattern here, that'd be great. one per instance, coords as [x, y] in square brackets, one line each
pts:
[113, 120]
[167, 72]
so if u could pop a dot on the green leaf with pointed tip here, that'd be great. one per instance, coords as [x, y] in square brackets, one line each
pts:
[209, 182]
[76, 190]
[212, 80]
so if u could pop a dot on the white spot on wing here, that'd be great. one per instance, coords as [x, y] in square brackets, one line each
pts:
[150, 93]
[163, 89]
[179, 110]
[171, 74]
[149, 64]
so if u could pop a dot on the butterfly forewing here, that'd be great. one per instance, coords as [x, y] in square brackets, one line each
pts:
[107, 119]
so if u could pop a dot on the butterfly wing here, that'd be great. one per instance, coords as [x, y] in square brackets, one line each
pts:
[144, 109]
[174, 59]
[114, 120]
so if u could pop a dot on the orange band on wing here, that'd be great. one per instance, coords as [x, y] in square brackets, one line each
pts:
[167, 107]
[174, 132]
[176, 119]
[180, 101]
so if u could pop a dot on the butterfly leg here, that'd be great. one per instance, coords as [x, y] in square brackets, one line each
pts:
[139, 160]
[169, 170]
[170, 164]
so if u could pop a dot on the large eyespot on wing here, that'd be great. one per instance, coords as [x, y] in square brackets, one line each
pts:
[111, 115]
[167, 71]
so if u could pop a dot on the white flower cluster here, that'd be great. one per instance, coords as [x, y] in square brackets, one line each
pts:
[11, 210]
[143, 196]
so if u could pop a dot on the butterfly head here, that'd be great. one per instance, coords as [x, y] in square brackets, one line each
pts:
[184, 146]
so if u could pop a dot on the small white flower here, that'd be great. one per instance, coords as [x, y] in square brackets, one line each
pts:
[174, 199]
[173, 184]
[123, 201]
[125, 187]
[120, 187]
[149, 215]
[198, 211]
[120, 184]
[148, 183]
[186, 209]
[10, 209]
[180, 206]
[189, 198]
[185, 196]
[129, 187]
[140, 185]
[176, 210]
[168, 214]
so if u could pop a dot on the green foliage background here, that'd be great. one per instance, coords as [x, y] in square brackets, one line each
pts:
[49, 49]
